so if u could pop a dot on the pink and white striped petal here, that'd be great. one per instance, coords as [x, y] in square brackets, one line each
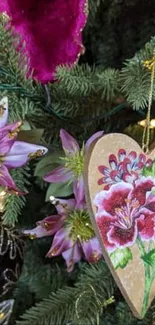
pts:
[94, 137]
[59, 174]
[72, 255]
[61, 243]
[69, 144]
[21, 152]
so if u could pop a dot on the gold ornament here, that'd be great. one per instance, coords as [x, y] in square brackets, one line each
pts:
[3, 198]
[5, 311]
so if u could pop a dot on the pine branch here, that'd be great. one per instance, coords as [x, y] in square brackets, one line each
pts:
[60, 308]
[11, 61]
[15, 203]
[25, 98]
[136, 78]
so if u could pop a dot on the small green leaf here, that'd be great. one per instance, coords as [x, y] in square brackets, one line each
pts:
[149, 258]
[48, 163]
[121, 257]
[149, 171]
[59, 190]
[30, 136]
[26, 125]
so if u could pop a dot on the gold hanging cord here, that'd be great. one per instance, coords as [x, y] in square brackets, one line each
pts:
[150, 65]
[100, 305]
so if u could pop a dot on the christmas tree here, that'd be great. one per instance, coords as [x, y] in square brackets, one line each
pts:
[69, 71]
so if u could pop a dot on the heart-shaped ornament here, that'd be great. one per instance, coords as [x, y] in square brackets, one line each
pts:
[120, 193]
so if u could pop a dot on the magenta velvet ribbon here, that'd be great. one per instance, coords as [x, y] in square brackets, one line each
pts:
[51, 30]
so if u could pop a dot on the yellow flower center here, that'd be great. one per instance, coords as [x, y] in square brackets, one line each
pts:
[75, 163]
[80, 226]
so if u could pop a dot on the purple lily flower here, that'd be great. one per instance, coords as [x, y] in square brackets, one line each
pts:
[73, 163]
[13, 153]
[74, 236]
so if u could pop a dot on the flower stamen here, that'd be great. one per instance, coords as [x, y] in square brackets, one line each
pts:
[75, 163]
[80, 226]
[36, 154]
[2, 109]
[14, 133]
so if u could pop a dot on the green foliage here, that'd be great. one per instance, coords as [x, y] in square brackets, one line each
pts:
[46, 165]
[136, 78]
[15, 203]
[59, 190]
[121, 257]
[96, 94]
[149, 258]
[149, 171]
[60, 307]
[39, 278]
[49, 162]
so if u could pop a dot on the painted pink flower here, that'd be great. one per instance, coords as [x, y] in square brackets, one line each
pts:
[13, 153]
[51, 31]
[74, 236]
[73, 163]
[125, 167]
[126, 211]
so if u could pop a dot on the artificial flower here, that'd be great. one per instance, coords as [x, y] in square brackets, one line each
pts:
[73, 163]
[13, 153]
[126, 167]
[51, 31]
[126, 211]
[74, 236]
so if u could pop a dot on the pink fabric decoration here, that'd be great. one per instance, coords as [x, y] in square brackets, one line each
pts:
[51, 30]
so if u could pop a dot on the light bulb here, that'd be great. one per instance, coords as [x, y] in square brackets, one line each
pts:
[143, 123]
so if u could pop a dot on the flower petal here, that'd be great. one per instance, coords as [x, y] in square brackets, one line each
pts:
[130, 177]
[46, 227]
[92, 250]
[142, 158]
[104, 224]
[37, 232]
[121, 154]
[78, 190]
[113, 162]
[57, 175]
[114, 198]
[72, 255]
[132, 156]
[104, 170]
[61, 243]
[146, 225]
[115, 176]
[142, 186]
[6, 180]
[21, 152]
[150, 202]
[64, 206]
[149, 163]
[95, 136]
[8, 135]
[69, 144]
[3, 111]
[122, 237]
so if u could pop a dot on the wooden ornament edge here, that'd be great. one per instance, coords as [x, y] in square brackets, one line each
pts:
[89, 204]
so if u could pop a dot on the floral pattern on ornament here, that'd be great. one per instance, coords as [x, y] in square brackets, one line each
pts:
[126, 167]
[125, 212]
